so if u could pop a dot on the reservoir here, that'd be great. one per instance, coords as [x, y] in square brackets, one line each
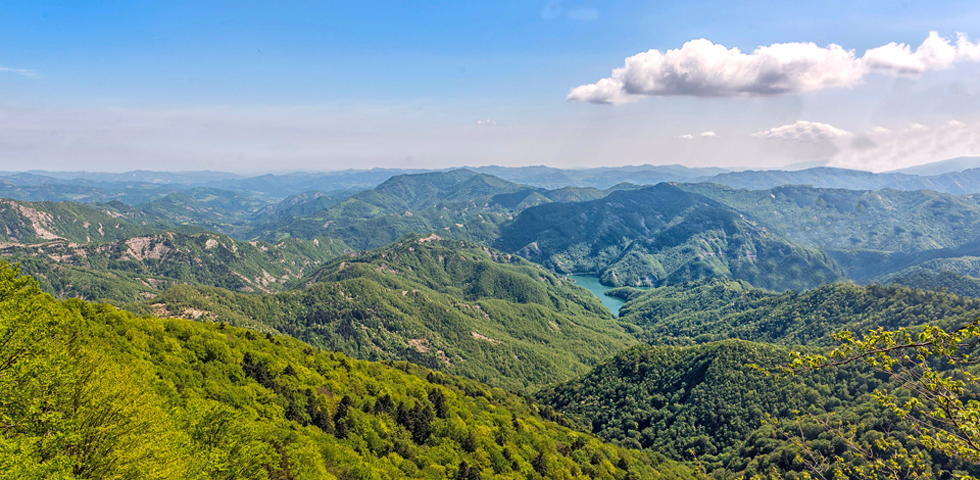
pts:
[592, 283]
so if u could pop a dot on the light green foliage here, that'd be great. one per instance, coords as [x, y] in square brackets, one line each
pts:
[934, 384]
[445, 304]
[94, 392]
[662, 235]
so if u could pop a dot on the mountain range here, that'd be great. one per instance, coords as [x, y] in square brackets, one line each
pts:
[409, 324]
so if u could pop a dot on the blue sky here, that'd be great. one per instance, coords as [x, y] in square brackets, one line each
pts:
[257, 86]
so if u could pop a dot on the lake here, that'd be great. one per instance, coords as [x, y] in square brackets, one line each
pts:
[599, 290]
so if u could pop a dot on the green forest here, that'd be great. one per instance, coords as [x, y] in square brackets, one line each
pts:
[91, 391]
[425, 326]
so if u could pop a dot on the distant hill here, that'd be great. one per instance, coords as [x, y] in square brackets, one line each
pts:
[941, 167]
[822, 177]
[661, 235]
[222, 211]
[141, 176]
[457, 204]
[449, 305]
[601, 178]
[960, 183]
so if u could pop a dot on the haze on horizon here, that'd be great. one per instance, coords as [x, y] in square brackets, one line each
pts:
[324, 86]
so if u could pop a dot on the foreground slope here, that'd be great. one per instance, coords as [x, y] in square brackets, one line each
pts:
[707, 402]
[94, 392]
[446, 304]
[662, 235]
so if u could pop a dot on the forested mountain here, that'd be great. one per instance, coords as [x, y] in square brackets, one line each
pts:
[141, 267]
[869, 233]
[302, 204]
[449, 305]
[662, 235]
[458, 204]
[708, 403]
[712, 310]
[94, 392]
[884, 220]
[353, 268]
[214, 209]
[34, 222]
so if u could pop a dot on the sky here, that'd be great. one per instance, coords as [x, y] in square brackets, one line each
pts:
[254, 87]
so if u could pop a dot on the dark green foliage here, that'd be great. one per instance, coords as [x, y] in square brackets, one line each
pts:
[944, 281]
[171, 398]
[869, 233]
[713, 310]
[706, 402]
[448, 305]
[661, 235]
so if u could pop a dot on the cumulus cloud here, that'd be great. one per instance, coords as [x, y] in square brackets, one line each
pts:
[486, 121]
[686, 136]
[803, 132]
[709, 133]
[879, 131]
[701, 68]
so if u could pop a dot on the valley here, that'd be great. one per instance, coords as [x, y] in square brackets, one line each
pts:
[434, 324]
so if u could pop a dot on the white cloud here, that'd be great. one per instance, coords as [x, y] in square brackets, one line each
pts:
[935, 53]
[701, 68]
[879, 131]
[583, 14]
[803, 132]
[686, 136]
[709, 133]
[916, 127]
[19, 71]
[486, 121]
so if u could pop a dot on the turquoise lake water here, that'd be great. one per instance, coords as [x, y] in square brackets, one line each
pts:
[599, 290]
